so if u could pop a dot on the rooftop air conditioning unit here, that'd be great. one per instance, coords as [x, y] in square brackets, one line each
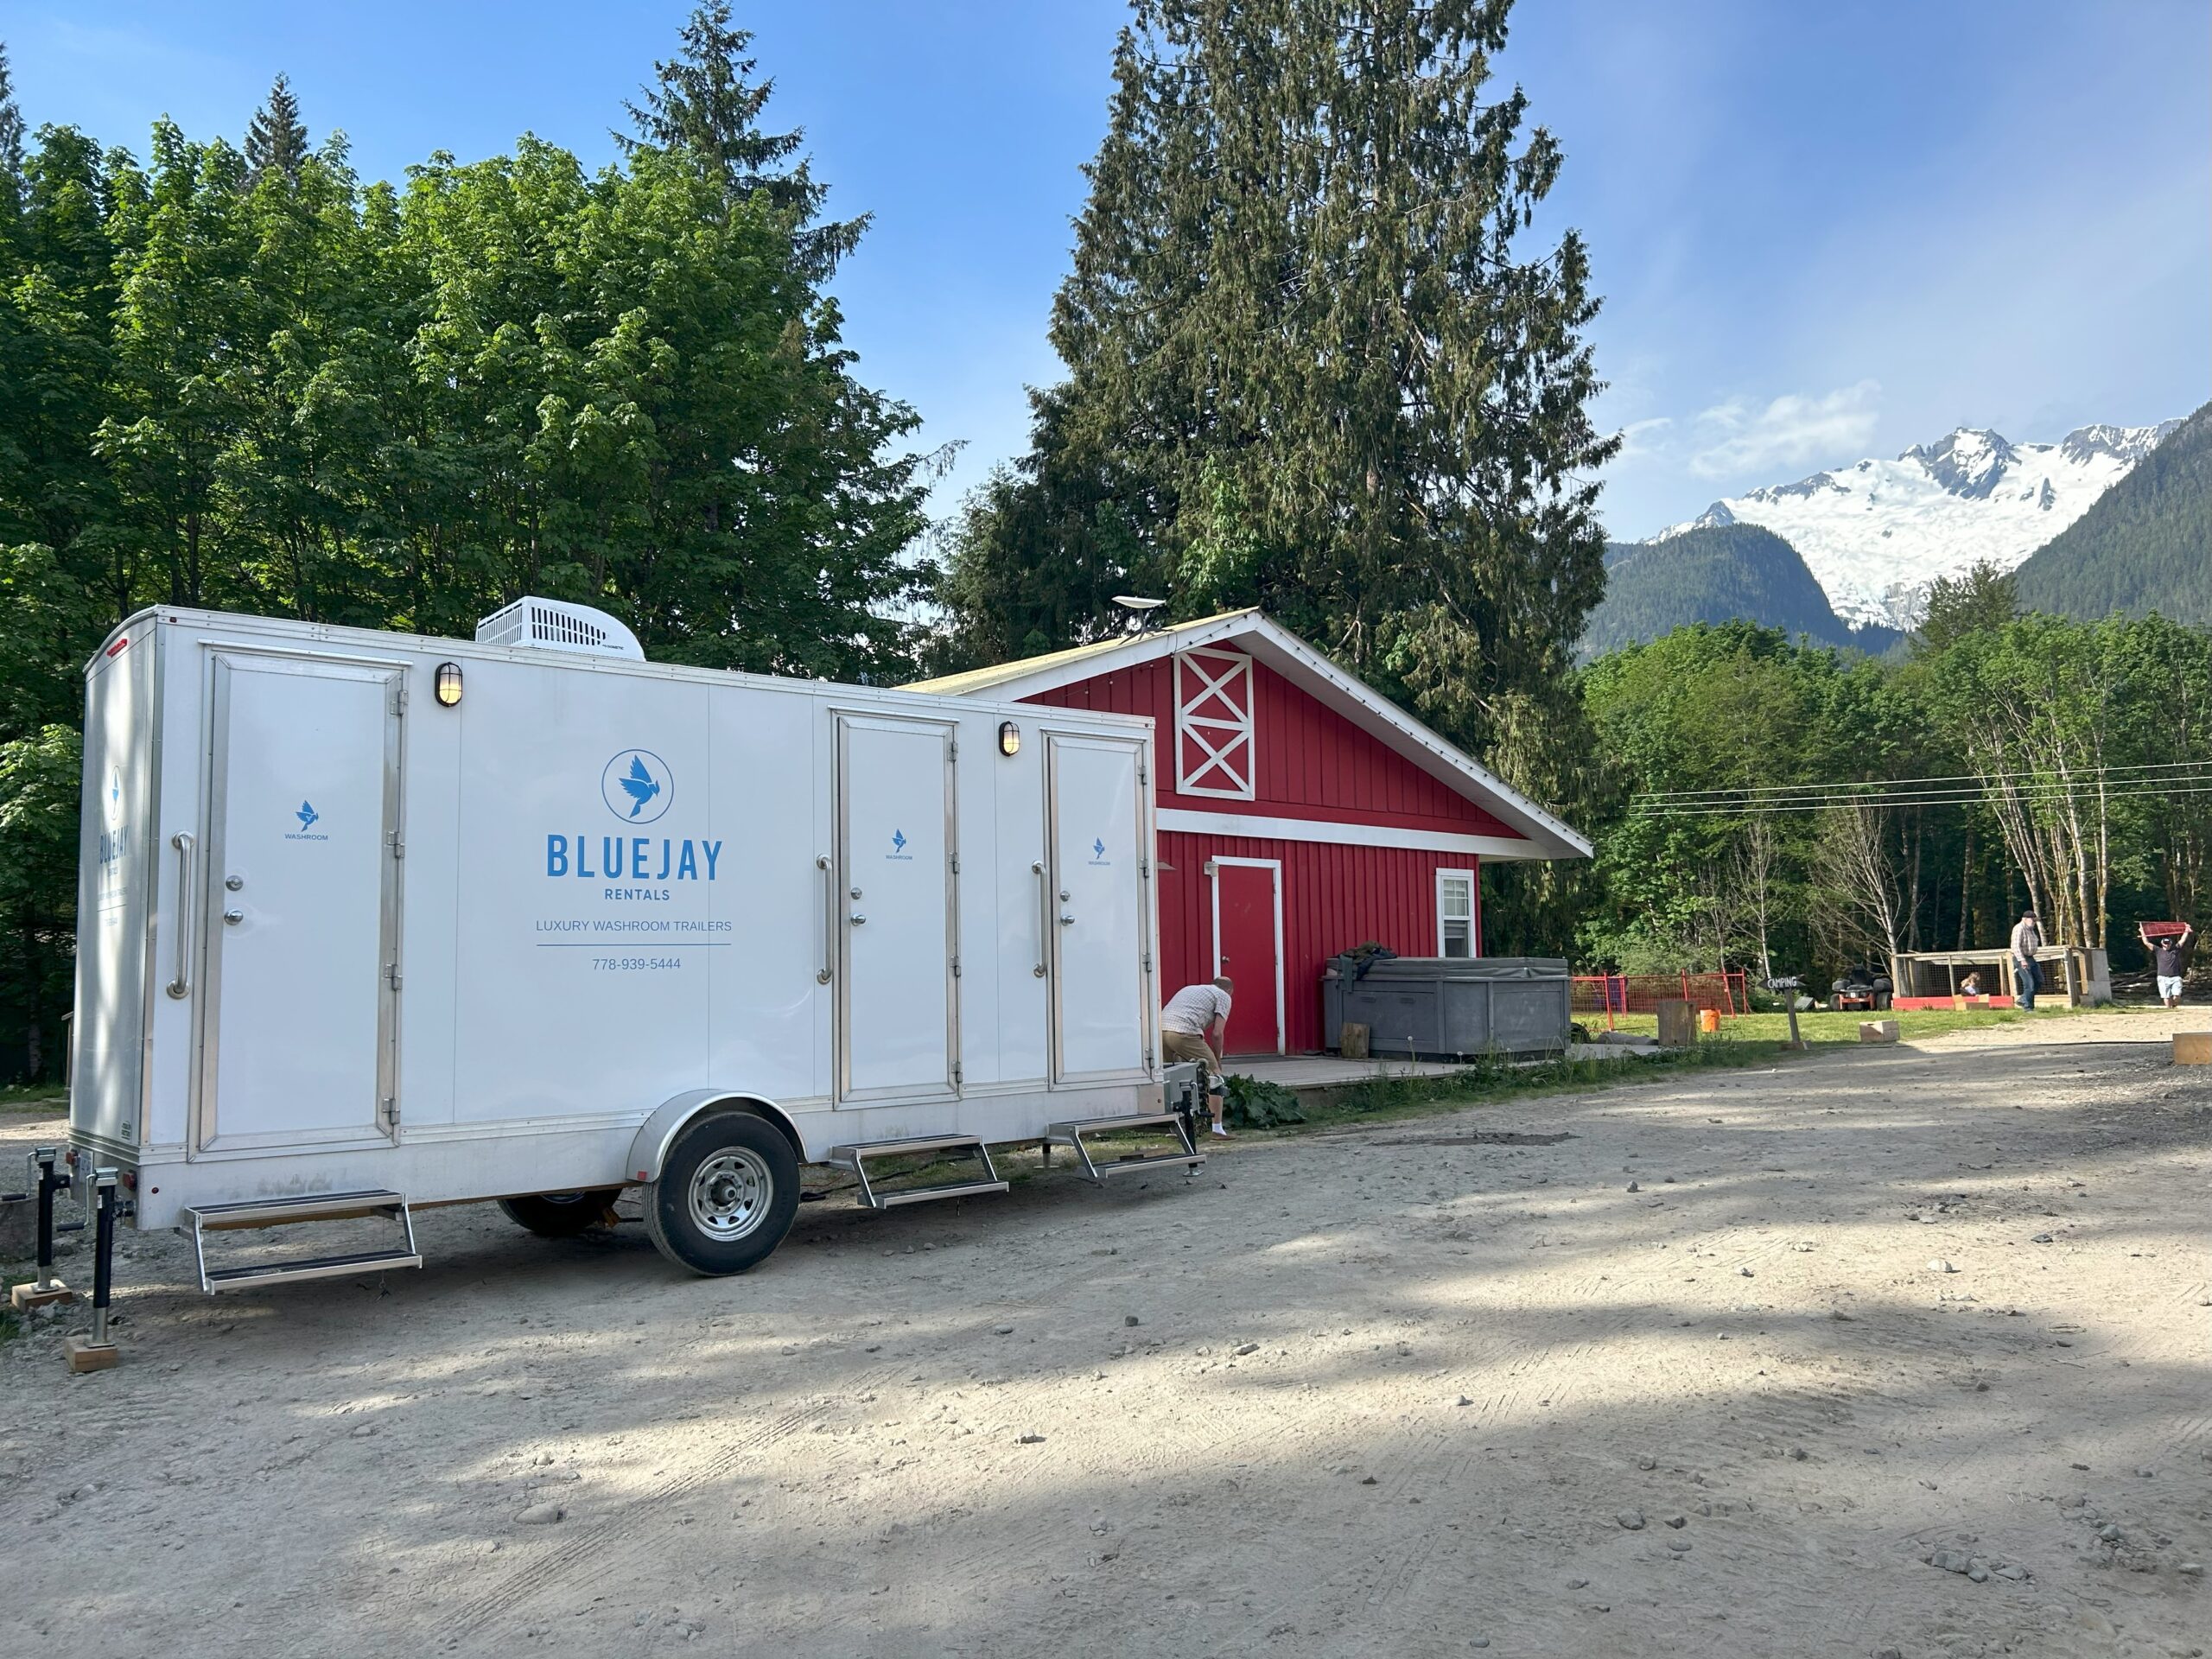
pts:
[559, 625]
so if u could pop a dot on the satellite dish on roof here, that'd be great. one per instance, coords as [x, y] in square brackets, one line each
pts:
[1139, 610]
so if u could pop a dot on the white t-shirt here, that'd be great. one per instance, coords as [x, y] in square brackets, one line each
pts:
[1195, 1007]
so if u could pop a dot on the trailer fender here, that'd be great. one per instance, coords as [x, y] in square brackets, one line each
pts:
[649, 1150]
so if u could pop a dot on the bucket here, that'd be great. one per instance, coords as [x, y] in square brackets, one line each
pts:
[1708, 1021]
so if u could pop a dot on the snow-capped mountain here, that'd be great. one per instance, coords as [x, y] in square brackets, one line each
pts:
[1877, 533]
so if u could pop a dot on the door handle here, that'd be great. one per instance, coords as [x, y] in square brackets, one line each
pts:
[233, 918]
[822, 975]
[1066, 919]
[1044, 909]
[857, 919]
[182, 984]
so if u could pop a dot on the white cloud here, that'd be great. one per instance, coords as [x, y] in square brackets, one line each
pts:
[1639, 437]
[1789, 431]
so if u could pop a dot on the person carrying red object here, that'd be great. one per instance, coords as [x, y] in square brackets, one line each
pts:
[2169, 954]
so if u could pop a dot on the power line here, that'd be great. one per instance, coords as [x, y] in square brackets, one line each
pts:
[1964, 797]
[1885, 783]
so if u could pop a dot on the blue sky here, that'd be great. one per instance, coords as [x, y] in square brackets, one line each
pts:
[1822, 231]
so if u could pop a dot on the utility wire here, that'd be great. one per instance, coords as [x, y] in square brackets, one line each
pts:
[1968, 797]
[1954, 778]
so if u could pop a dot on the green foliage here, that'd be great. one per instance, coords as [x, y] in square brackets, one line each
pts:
[40, 783]
[276, 137]
[2025, 714]
[1313, 364]
[1717, 573]
[1255, 1103]
[1978, 601]
[2144, 546]
[244, 380]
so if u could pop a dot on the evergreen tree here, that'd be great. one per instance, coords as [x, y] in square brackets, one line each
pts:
[706, 100]
[1311, 353]
[277, 138]
[1976, 600]
[1305, 345]
[11, 137]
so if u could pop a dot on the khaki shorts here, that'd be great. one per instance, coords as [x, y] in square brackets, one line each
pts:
[1182, 1046]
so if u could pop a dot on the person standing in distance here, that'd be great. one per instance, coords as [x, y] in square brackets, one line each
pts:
[1185, 1026]
[2027, 939]
[2167, 953]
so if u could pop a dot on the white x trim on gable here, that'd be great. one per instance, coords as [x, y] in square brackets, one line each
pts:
[1532, 832]
[1213, 724]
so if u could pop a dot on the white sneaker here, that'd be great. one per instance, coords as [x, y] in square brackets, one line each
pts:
[1221, 1131]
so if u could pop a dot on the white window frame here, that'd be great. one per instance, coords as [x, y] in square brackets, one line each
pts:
[1474, 944]
[1226, 769]
[1274, 867]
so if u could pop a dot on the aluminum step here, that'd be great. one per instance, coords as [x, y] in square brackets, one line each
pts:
[1072, 1132]
[313, 1206]
[375, 1204]
[855, 1157]
[319, 1266]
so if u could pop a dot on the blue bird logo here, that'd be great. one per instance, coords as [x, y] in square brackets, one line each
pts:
[1098, 848]
[638, 786]
[897, 841]
[307, 815]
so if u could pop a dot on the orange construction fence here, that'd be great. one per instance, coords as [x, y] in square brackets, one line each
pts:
[1616, 993]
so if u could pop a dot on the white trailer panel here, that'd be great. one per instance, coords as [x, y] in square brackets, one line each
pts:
[339, 936]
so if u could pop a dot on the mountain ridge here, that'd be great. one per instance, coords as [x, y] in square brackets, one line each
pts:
[2146, 545]
[1716, 573]
[1874, 534]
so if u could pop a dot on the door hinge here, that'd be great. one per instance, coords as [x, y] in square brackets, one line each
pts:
[956, 863]
[1144, 772]
[391, 1111]
[955, 967]
[399, 700]
[1147, 964]
[1144, 868]
[398, 846]
[952, 749]
[956, 1074]
[391, 972]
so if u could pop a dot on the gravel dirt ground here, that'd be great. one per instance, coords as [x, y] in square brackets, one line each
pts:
[1692, 1379]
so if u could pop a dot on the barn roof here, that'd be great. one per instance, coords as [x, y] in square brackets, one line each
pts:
[1270, 643]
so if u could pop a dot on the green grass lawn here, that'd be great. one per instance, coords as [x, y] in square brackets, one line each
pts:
[42, 1101]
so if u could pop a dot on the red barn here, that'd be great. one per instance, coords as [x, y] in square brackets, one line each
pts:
[1301, 813]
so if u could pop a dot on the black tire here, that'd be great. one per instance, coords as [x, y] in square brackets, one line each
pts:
[726, 1194]
[1882, 1000]
[559, 1215]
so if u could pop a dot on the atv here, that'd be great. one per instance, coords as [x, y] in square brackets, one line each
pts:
[1859, 988]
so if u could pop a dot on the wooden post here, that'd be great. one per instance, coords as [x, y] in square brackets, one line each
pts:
[1677, 1023]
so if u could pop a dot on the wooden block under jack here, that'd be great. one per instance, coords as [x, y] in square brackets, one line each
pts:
[1878, 1031]
[31, 1295]
[2193, 1048]
[1353, 1040]
[86, 1354]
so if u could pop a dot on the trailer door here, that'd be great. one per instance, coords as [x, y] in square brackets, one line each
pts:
[1102, 987]
[893, 908]
[300, 913]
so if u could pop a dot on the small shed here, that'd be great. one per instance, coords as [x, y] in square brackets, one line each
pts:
[1301, 812]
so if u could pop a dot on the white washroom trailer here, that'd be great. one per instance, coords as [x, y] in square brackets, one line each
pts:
[370, 922]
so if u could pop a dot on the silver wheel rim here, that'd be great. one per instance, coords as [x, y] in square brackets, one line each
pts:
[730, 1193]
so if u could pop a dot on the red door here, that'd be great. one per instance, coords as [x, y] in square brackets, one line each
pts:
[1247, 947]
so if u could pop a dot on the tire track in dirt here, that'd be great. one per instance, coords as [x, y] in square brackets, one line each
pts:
[622, 1533]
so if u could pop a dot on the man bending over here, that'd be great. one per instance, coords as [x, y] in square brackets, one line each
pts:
[1184, 1025]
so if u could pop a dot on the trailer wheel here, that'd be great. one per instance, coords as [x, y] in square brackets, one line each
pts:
[559, 1215]
[726, 1196]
